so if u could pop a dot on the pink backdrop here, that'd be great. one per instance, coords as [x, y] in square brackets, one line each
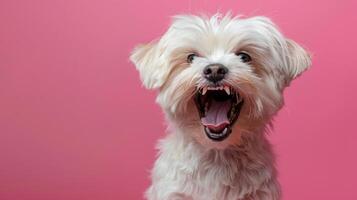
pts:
[75, 122]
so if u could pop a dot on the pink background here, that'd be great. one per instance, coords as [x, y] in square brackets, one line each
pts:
[75, 122]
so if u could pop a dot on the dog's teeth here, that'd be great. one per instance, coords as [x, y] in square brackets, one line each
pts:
[239, 98]
[204, 90]
[228, 91]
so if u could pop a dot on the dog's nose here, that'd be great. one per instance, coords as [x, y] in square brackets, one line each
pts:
[215, 72]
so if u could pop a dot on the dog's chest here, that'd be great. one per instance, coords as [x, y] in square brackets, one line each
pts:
[210, 176]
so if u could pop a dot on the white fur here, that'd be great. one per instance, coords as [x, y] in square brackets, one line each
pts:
[191, 166]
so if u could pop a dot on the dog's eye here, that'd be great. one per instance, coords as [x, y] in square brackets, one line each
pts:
[190, 57]
[244, 57]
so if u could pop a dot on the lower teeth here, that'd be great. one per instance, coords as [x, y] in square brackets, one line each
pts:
[217, 135]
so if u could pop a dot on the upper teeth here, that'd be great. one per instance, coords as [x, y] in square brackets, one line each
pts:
[228, 91]
[225, 88]
[204, 90]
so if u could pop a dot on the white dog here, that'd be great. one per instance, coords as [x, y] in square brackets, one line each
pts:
[221, 81]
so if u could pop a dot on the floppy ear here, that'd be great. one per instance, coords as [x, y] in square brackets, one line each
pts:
[298, 60]
[151, 64]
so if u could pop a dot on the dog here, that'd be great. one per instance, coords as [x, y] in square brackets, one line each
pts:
[220, 81]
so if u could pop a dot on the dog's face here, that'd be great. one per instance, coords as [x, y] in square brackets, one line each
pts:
[220, 77]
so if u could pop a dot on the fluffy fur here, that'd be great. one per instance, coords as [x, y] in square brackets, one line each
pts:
[241, 167]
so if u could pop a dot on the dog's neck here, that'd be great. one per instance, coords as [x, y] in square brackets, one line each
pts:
[253, 147]
[235, 166]
[239, 171]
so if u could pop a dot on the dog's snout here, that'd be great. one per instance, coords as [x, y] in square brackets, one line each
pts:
[215, 72]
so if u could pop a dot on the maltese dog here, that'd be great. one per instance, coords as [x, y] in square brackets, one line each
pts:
[220, 81]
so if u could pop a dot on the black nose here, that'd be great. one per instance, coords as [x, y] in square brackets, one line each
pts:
[215, 72]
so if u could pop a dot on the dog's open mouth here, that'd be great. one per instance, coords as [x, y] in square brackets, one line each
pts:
[219, 108]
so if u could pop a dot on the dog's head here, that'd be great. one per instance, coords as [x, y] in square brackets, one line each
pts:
[220, 77]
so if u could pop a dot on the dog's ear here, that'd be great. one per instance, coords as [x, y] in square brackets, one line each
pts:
[150, 63]
[298, 60]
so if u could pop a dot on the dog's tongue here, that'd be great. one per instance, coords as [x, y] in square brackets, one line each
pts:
[216, 115]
